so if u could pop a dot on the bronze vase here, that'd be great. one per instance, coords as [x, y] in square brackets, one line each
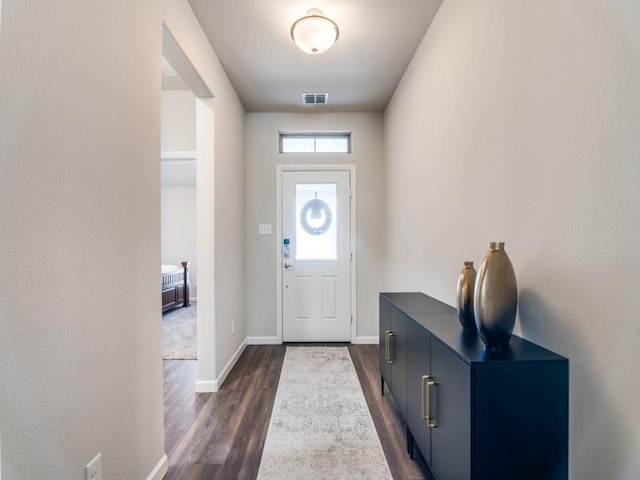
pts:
[464, 298]
[495, 298]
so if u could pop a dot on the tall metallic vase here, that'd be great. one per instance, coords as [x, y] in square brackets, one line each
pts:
[495, 298]
[464, 300]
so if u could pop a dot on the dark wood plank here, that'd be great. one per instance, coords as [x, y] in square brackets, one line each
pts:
[221, 435]
[386, 418]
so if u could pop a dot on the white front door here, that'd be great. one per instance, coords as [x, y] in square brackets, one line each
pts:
[316, 256]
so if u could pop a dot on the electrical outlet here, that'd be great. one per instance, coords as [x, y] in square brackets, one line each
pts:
[233, 327]
[93, 470]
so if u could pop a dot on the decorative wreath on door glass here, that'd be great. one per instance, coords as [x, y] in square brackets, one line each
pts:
[316, 209]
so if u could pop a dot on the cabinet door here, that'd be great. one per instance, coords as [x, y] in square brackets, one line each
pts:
[398, 358]
[450, 407]
[383, 352]
[418, 373]
[510, 440]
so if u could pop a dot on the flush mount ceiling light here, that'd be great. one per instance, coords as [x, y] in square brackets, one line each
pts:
[314, 33]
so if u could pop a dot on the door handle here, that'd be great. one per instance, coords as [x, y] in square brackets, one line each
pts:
[425, 416]
[288, 266]
[389, 357]
[428, 417]
[386, 345]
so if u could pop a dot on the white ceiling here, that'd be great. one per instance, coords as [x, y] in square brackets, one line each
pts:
[377, 41]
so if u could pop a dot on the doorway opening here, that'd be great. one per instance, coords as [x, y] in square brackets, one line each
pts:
[178, 218]
[189, 161]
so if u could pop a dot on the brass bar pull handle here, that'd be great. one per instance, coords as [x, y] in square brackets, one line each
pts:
[391, 334]
[386, 345]
[422, 389]
[429, 418]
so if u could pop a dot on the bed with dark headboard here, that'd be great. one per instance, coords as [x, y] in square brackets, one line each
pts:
[175, 286]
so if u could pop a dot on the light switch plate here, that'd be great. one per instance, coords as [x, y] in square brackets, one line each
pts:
[264, 229]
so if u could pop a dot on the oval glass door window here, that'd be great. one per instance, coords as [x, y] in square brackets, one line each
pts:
[316, 217]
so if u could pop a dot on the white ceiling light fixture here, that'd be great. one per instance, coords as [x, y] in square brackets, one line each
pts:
[314, 33]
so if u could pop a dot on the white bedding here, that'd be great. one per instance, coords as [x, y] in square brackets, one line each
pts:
[170, 269]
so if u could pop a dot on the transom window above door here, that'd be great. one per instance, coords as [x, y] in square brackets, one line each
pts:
[305, 142]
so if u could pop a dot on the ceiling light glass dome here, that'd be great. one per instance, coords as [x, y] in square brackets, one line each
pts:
[314, 33]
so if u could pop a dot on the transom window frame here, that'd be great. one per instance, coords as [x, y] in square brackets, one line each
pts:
[315, 136]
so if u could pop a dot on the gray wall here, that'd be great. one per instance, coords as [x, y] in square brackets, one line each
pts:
[80, 348]
[519, 122]
[262, 157]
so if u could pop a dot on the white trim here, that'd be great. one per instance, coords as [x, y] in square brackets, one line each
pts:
[280, 169]
[354, 303]
[263, 341]
[212, 386]
[206, 386]
[178, 155]
[205, 243]
[160, 469]
[367, 340]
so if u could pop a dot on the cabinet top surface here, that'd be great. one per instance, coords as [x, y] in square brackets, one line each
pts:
[441, 320]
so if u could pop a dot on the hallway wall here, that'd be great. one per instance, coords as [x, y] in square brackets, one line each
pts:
[80, 341]
[262, 157]
[519, 122]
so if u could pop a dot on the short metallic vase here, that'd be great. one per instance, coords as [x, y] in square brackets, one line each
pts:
[464, 298]
[495, 298]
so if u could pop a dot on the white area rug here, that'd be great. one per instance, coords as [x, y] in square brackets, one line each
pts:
[320, 426]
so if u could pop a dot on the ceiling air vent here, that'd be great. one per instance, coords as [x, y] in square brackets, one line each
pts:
[315, 98]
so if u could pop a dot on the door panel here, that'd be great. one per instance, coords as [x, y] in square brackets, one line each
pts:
[451, 411]
[329, 295]
[316, 274]
[418, 373]
[398, 356]
[303, 285]
[383, 351]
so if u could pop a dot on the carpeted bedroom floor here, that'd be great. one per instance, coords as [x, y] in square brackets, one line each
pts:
[179, 333]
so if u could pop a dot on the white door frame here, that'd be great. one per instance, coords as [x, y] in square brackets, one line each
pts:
[280, 169]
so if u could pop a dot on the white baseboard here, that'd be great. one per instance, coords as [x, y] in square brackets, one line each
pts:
[214, 385]
[274, 340]
[263, 341]
[206, 386]
[227, 368]
[160, 470]
[367, 340]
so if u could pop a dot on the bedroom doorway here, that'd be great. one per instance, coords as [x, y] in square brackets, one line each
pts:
[188, 151]
[178, 218]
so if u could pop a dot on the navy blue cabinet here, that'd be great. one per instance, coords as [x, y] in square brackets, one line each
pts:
[393, 354]
[473, 415]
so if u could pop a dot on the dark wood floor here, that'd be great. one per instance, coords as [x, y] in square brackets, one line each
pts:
[221, 435]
